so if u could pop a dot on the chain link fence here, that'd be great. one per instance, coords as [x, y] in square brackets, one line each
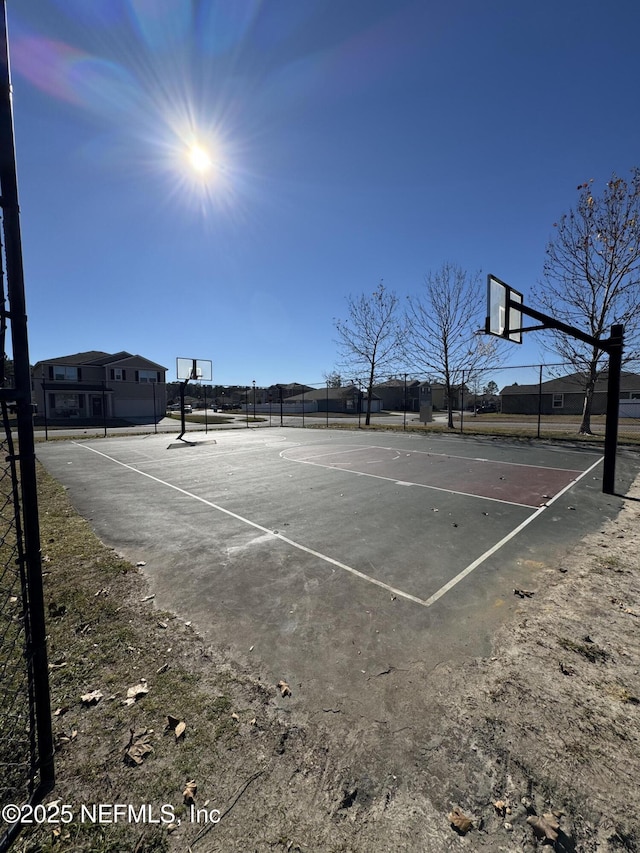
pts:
[17, 730]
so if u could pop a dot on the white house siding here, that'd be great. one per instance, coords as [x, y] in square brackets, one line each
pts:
[629, 409]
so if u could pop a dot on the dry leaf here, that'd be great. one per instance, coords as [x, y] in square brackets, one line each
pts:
[91, 698]
[136, 692]
[253, 722]
[501, 807]
[234, 716]
[459, 820]
[189, 793]
[544, 827]
[180, 729]
[139, 746]
[59, 712]
[285, 690]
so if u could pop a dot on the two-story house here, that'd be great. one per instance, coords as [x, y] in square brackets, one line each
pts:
[99, 385]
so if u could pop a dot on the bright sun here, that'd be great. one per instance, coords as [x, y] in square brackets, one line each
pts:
[199, 158]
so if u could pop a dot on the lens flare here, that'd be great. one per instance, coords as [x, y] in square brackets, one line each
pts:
[199, 159]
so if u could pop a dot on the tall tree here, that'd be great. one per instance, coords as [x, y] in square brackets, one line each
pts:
[370, 338]
[443, 321]
[592, 277]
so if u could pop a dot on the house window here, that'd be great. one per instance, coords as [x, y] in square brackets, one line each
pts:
[63, 373]
[148, 376]
[118, 374]
[67, 405]
[558, 401]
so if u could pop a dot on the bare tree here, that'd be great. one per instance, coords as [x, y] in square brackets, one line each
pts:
[333, 379]
[443, 322]
[592, 277]
[370, 339]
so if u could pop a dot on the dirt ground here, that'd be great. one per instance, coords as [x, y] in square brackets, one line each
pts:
[548, 724]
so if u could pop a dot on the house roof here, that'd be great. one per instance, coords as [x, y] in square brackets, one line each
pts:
[97, 358]
[344, 392]
[397, 383]
[78, 358]
[574, 383]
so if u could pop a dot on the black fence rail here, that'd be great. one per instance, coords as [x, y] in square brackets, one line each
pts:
[26, 747]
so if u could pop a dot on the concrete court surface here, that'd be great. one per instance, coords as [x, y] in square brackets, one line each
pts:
[348, 564]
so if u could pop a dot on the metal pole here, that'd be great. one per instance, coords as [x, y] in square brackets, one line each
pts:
[183, 423]
[462, 404]
[104, 408]
[539, 400]
[404, 419]
[246, 403]
[206, 422]
[303, 407]
[281, 421]
[46, 426]
[254, 400]
[155, 418]
[613, 405]
[35, 631]
[327, 405]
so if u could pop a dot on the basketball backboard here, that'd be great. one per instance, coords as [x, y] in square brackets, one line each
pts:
[504, 317]
[194, 369]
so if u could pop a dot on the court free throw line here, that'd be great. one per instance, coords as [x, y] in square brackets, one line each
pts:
[404, 483]
[426, 602]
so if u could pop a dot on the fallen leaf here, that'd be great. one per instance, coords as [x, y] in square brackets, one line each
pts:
[544, 827]
[284, 688]
[163, 668]
[189, 793]
[148, 597]
[139, 746]
[91, 698]
[234, 716]
[501, 807]
[460, 822]
[523, 593]
[136, 692]
[253, 722]
[180, 729]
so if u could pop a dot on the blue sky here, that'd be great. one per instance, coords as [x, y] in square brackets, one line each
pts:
[351, 141]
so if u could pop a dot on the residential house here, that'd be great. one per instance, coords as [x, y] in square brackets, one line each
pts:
[344, 399]
[398, 395]
[98, 385]
[565, 396]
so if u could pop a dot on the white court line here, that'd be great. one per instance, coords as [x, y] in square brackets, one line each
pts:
[398, 592]
[467, 458]
[395, 480]
[461, 575]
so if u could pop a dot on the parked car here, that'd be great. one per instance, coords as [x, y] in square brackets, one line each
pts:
[484, 408]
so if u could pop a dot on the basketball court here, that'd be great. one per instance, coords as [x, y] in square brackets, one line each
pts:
[327, 557]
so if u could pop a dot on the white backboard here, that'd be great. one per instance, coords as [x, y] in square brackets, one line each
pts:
[504, 318]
